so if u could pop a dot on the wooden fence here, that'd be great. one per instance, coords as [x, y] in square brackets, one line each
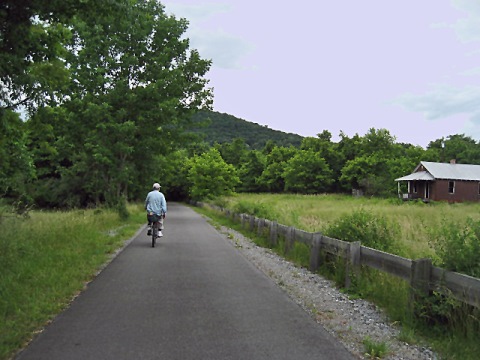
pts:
[422, 276]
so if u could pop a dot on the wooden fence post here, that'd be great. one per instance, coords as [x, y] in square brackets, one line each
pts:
[421, 272]
[273, 233]
[353, 263]
[252, 222]
[315, 257]
[261, 225]
[289, 239]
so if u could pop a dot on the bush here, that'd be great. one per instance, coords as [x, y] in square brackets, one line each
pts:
[458, 246]
[256, 209]
[361, 225]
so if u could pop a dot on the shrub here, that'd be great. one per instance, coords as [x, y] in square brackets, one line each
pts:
[457, 247]
[257, 209]
[372, 231]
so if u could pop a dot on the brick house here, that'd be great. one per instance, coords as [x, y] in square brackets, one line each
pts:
[432, 181]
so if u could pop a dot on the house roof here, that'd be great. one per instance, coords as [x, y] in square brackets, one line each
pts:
[434, 170]
[421, 175]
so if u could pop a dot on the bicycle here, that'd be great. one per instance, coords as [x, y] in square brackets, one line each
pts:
[155, 219]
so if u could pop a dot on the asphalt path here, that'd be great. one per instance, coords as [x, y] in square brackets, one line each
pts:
[193, 296]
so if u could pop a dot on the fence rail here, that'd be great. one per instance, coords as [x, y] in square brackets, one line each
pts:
[422, 276]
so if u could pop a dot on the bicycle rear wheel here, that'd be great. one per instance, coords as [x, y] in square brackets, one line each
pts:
[154, 233]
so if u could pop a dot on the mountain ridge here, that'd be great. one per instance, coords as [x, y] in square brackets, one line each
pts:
[215, 127]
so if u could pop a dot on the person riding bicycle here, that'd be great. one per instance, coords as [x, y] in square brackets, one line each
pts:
[156, 207]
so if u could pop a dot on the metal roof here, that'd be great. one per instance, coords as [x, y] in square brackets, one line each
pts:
[421, 175]
[434, 170]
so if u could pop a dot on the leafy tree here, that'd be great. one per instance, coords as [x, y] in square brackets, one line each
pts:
[210, 176]
[365, 172]
[16, 167]
[134, 87]
[326, 149]
[234, 152]
[369, 170]
[307, 173]
[171, 172]
[349, 147]
[462, 148]
[33, 34]
[250, 172]
[406, 157]
[273, 176]
[377, 141]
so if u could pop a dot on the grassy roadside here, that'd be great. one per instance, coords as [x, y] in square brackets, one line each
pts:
[47, 259]
[452, 336]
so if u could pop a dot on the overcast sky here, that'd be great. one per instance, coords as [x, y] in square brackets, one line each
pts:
[409, 66]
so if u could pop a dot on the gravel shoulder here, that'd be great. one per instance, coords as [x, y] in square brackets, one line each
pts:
[349, 321]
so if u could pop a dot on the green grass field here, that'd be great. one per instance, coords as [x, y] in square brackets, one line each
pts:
[315, 212]
[48, 258]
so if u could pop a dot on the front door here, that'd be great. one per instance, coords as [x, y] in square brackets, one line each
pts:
[427, 190]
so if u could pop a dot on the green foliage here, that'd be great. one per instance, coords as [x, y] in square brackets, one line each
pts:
[122, 210]
[210, 176]
[133, 87]
[330, 151]
[256, 209]
[171, 171]
[375, 349]
[307, 173]
[273, 176]
[458, 246]
[233, 153]
[16, 168]
[361, 225]
[33, 46]
[250, 172]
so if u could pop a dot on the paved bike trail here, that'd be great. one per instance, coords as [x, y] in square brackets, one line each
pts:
[193, 296]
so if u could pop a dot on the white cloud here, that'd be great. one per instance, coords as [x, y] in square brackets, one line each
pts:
[472, 72]
[444, 101]
[468, 28]
[447, 101]
[224, 49]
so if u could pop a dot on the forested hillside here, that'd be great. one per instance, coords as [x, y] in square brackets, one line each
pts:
[223, 128]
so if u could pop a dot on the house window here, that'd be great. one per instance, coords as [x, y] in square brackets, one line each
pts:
[414, 187]
[451, 187]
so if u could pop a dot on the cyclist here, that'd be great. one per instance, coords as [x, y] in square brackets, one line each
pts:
[156, 207]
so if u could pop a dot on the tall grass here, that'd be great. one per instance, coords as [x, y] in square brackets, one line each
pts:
[315, 212]
[47, 258]
[455, 338]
